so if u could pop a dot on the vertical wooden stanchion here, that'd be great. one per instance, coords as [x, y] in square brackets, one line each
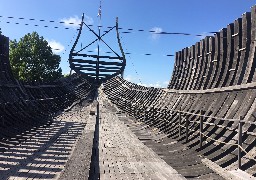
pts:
[180, 122]
[165, 113]
[187, 123]
[239, 141]
[153, 113]
[145, 114]
[134, 110]
[130, 109]
[201, 128]
[125, 104]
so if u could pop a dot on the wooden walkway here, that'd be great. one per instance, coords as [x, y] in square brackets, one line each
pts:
[123, 156]
[75, 146]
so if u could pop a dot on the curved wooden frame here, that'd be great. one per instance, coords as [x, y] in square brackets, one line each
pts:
[98, 70]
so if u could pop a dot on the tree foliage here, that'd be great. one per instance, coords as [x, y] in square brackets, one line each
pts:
[32, 59]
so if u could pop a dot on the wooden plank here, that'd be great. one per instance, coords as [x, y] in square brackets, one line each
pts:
[237, 45]
[245, 47]
[222, 57]
[178, 71]
[215, 61]
[250, 72]
[183, 70]
[209, 57]
[122, 155]
[173, 77]
[193, 68]
[219, 170]
[227, 74]
[204, 67]
[190, 65]
[186, 67]
[196, 66]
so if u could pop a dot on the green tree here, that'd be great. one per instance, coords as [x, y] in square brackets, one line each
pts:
[32, 59]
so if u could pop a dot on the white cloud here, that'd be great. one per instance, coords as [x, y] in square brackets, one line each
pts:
[166, 82]
[128, 78]
[155, 31]
[75, 21]
[142, 84]
[156, 85]
[57, 47]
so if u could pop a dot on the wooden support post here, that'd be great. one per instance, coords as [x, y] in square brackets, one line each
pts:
[130, 110]
[154, 110]
[134, 110]
[201, 128]
[187, 123]
[180, 122]
[145, 114]
[125, 104]
[240, 134]
[165, 113]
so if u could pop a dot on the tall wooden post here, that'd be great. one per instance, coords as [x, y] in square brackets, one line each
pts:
[165, 113]
[240, 134]
[180, 122]
[201, 128]
[145, 114]
[125, 104]
[130, 109]
[187, 123]
[154, 111]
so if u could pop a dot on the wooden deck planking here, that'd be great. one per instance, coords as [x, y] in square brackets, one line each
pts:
[123, 156]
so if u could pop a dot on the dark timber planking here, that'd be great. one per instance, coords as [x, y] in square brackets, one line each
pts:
[232, 58]
[230, 55]
[246, 40]
[191, 64]
[215, 61]
[197, 65]
[229, 104]
[250, 70]
[243, 47]
[193, 68]
[205, 61]
[185, 67]
[215, 76]
[222, 57]
[175, 70]
[173, 77]
[178, 74]
[237, 45]
[210, 57]
[201, 69]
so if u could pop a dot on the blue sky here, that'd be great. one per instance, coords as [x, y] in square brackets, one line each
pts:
[194, 17]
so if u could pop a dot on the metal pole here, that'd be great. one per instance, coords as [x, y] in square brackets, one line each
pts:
[180, 122]
[187, 123]
[240, 125]
[201, 128]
